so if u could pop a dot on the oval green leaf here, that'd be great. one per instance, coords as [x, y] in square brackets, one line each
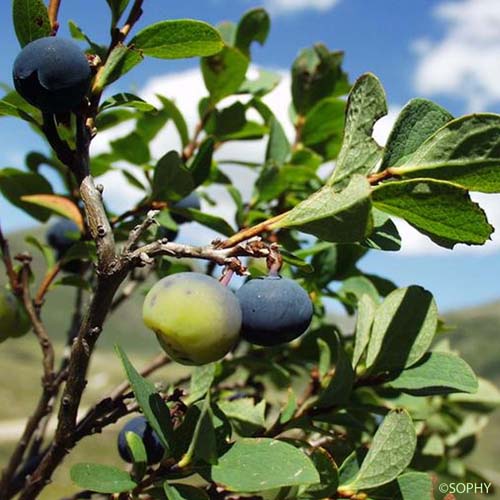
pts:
[178, 39]
[253, 465]
[390, 453]
[101, 478]
[31, 20]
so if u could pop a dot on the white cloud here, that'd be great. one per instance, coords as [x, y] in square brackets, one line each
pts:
[464, 63]
[282, 6]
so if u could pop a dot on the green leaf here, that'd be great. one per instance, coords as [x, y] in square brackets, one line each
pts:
[126, 100]
[14, 184]
[385, 234]
[360, 152]
[408, 486]
[354, 287]
[485, 399]
[343, 216]
[253, 26]
[227, 30]
[183, 492]
[403, 329]
[290, 408]
[226, 121]
[176, 39]
[390, 452]
[418, 120]
[112, 118]
[176, 116]
[436, 373]
[46, 250]
[465, 151]
[434, 446]
[441, 210]
[224, 72]
[138, 453]
[249, 131]
[133, 180]
[278, 147]
[337, 385]
[324, 123]
[31, 20]
[214, 222]
[246, 416]
[74, 281]
[119, 62]
[202, 162]
[152, 405]
[81, 250]
[274, 180]
[103, 163]
[11, 109]
[78, 34]
[117, 9]
[203, 444]
[101, 478]
[316, 74]
[253, 465]
[201, 380]
[172, 180]
[329, 478]
[132, 148]
[351, 465]
[366, 315]
[262, 85]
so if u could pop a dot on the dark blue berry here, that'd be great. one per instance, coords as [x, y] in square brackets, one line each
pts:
[62, 235]
[52, 74]
[152, 443]
[275, 310]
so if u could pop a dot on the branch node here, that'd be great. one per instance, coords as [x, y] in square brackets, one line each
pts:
[101, 231]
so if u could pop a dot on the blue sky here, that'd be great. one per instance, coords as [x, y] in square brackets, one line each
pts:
[447, 50]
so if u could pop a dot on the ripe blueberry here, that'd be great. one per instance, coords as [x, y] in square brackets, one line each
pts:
[61, 236]
[196, 319]
[275, 310]
[52, 74]
[152, 443]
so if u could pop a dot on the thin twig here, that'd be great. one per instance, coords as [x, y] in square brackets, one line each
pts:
[60, 375]
[139, 230]
[38, 327]
[222, 256]
[7, 260]
[133, 17]
[53, 10]
[374, 179]
[48, 378]
[251, 232]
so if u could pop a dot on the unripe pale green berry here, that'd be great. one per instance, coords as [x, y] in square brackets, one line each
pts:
[14, 321]
[196, 319]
